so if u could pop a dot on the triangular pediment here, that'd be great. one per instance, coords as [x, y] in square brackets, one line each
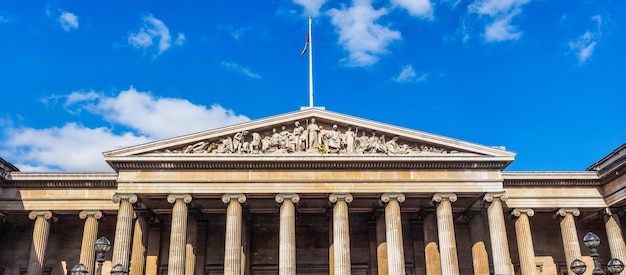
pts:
[309, 133]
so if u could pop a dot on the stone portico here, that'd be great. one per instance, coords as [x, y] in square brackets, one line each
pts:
[311, 192]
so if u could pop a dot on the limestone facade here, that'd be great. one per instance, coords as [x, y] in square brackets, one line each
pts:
[263, 197]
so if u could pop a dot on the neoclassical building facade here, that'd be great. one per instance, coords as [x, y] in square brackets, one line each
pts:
[311, 192]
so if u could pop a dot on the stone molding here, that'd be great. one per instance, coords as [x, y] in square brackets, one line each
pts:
[386, 197]
[36, 214]
[172, 198]
[518, 212]
[97, 214]
[564, 211]
[241, 198]
[334, 197]
[118, 197]
[438, 197]
[280, 198]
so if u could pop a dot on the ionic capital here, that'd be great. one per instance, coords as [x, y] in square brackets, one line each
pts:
[97, 214]
[118, 197]
[564, 211]
[502, 196]
[280, 198]
[241, 198]
[438, 197]
[36, 214]
[386, 197]
[517, 212]
[610, 211]
[172, 198]
[333, 198]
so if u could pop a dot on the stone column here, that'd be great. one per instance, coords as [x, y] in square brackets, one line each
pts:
[525, 241]
[497, 231]
[381, 244]
[90, 234]
[123, 229]
[178, 233]
[287, 237]
[40, 241]
[431, 249]
[614, 234]
[569, 235]
[153, 249]
[232, 249]
[191, 245]
[140, 243]
[393, 221]
[447, 240]
[341, 233]
[480, 258]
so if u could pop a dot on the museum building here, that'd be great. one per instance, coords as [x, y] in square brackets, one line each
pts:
[311, 192]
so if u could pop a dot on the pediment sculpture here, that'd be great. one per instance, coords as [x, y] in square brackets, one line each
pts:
[313, 137]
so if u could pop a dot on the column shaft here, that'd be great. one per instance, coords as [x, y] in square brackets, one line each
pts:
[395, 246]
[569, 235]
[381, 247]
[40, 241]
[525, 241]
[480, 258]
[123, 229]
[614, 234]
[178, 234]
[447, 240]
[191, 246]
[287, 236]
[497, 231]
[232, 249]
[140, 239]
[431, 249]
[90, 234]
[341, 233]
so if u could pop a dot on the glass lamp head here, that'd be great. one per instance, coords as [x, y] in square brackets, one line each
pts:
[615, 266]
[579, 267]
[118, 269]
[79, 269]
[591, 240]
[102, 245]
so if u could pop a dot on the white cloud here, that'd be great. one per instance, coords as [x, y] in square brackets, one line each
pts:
[500, 13]
[311, 7]
[68, 21]
[152, 30]
[408, 75]
[75, 147]
[359, 33]
[419, 8]
[584, 45]
[240, 69]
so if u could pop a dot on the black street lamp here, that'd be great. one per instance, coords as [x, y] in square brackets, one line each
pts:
[79, 269]
[591, 241]
[118, 269]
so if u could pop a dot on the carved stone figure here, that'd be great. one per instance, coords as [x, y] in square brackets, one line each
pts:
[284, 138]
[226, 145]
[238, 141]
[298, 138]
[374, 143]
[350, 141]
[255, 144]
[363, 143]
[392, 147]
[313, 130]
[332, 138]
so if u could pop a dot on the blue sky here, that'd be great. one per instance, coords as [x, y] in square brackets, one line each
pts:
[545, 78]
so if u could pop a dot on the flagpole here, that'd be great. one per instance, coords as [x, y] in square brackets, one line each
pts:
[310, 65]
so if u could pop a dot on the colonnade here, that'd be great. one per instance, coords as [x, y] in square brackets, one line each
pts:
[439, 236]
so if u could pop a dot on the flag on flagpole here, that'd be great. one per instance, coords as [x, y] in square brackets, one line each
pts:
[306, 45]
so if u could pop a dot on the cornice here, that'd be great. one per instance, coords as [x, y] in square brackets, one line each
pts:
[515, 179]
[313, 163]
[27, 180]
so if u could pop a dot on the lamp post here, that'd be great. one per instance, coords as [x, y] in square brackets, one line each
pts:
[79, 269]
[591, 241]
